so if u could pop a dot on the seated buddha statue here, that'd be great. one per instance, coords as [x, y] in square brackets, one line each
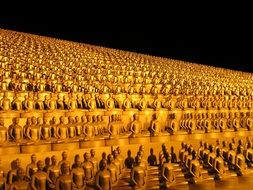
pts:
[33, 131]
[4, 137]
[53, 170]
[62, 132]
[113, 127]
[194, 169]
[16, 103]
[20, 182]
[173, 125]
[240, 162]
[135, 127]
[103, 178]
[155, 128]
[138, 176]
[5, 103]
[15, 131]
[167, 174]
[40, 179]
[45, 129]
[64, 181]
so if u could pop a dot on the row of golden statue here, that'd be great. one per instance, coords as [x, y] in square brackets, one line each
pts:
[35, 63]
[30, 101]
[94, 127]
[189, 166]
[56, 92]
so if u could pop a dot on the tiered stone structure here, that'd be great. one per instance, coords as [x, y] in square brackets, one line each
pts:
[57, 95]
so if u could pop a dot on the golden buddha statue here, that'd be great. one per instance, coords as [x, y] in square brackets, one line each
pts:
[112, 169]
[72, 102]
[53, 170]
[28, 103]
[88, 168]
[91, 102]
[59, 102]
[138, 176]
[64, 159]
[64, 181]
[173, 125]
[103, 178]
[16, 103]
[33, 132]
[110, 102]
[224, 151]
[249, 121]
[95, 125]
[15, 131]
[249, 154]
[127, 104]
[94, 160]
[135, 126]
[201, 150]
[78, 126]
[62, 132]
[88, 129]
[40, 178]
[120, 157]
[5, 103]
[39, 104]
[167, 174]
[20, 182]
[236, 121]
[240, 163]
[194, 169]
[4, 137]
[53, 124]
[45, 129]
[77, 174]
[117, 162]
[113, 128]
[219, 165]
[71, 127]
[32, 167]
[12, 174]
[231, 156]
[155, 128]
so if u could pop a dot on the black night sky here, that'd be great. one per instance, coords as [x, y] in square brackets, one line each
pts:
[223, 41]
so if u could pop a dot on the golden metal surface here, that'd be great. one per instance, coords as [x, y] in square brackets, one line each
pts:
[62, 100]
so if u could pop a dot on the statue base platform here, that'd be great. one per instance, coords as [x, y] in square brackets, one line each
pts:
[55, 113]
[212, 135]
[9, 149]
[139, 140]
[9, 114]
[61, 146]
[92, 143]
[117, 141]
[242, 132]
[230, 181]
[33, 113]
[229, 134]
[111, 112]
[180, 136]
[160, 139]
[203, 185]
[246, 179]
[198, 135]
[36, 147]
[76, 112]
[95, 112]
